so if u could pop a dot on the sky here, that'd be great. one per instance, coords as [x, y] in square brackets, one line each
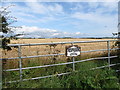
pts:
[65, 19]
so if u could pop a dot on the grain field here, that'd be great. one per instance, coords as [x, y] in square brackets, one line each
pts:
[47, 49]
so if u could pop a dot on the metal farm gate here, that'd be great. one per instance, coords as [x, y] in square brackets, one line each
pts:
[73, 62]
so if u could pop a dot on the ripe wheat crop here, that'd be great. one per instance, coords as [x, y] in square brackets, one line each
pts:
[48, 49]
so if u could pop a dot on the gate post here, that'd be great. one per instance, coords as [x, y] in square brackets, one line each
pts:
[108, 47]
[73, 58]
[20, 62]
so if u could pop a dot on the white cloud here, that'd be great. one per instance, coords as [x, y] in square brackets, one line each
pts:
[36, 7]
[108, 7]
[100, 7]
[96, 17]
[40, 8]
[45, 12]
[37, 32]
[55, 34]
[77, 33]
[55, 8]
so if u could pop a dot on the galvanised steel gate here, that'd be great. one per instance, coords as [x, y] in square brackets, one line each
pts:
[20, 57]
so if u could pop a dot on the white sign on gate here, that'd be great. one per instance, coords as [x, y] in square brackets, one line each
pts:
[73, 51]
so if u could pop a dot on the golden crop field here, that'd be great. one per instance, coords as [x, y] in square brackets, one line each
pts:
[44, 49]
[50, 40]
[48, 49]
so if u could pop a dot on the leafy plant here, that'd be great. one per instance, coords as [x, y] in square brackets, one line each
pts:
[6, 20]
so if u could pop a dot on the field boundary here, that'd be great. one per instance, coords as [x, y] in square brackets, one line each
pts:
[73, 62]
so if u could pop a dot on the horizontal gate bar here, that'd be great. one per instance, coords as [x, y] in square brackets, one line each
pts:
[105, 66]
[12, 45]
[63, 74]
[55, 54]
[61, 63]
[117, 70]
[33, 56]
[99, 50]
[40, 77]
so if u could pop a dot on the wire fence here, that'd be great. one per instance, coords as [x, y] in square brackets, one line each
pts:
[42, 51]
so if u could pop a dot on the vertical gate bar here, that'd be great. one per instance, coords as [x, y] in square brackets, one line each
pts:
[108, 47]
[20, 62]
[73, 58]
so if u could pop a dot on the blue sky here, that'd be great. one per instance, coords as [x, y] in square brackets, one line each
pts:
[64, 19]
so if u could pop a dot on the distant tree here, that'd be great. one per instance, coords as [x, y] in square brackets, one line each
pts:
[5, 28]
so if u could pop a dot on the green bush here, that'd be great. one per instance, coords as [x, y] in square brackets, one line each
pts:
[85, 78]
